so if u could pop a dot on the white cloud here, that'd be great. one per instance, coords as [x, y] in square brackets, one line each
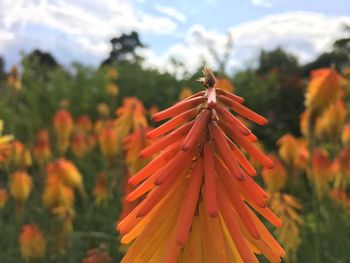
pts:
[170, 11]
[304, 34]
[263, 3]
[86, 25]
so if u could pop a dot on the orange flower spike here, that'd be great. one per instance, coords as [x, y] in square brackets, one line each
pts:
[194, 136]
[210, 181]
[160, 235]
[172, 124]
[225, 152]
[178, 108]
[243, 111]
[189, 203]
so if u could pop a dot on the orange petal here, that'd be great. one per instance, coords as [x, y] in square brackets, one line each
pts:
[230, 95]
[243, 111]
[231, 120]
[175, 167]
[233, 228]
[196, 132]
[210, 181]
[240, 207]
[164, 142]
[189, 203]
[155, 164]
[241, 158]
[248, 146]
[172, 124]
[225, 152]
[178, 108]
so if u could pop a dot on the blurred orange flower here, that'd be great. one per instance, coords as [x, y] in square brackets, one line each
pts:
[97, 255]
[103, 110]
[224, 83]
[130, 117]
[41, 150]
[32, 243]
[56, 194]
[3, 197]
[341, 169]
[84, 123]
[321, 171]
[346, 135]
[185, 92]
[79, 144]
[101, 191]
[5, 144]
[325, 87]
[63, 124]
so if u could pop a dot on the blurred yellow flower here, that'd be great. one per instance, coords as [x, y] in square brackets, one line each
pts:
[330, 123]
[112, 90]
[103, 110]
[112, 74]
[286, 207]
[108, 141]
[275, 178]
[20, 186]
[13, 79]
[288, 148]
[69, 174]
[32, 243]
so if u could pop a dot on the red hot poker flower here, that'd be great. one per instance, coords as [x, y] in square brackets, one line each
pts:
[199, 190]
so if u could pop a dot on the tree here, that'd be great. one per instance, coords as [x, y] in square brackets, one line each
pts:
[124, 48]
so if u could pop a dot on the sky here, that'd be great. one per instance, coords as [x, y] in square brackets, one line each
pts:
[80, 30]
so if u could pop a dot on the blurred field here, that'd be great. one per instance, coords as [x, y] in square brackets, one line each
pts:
[87, 125]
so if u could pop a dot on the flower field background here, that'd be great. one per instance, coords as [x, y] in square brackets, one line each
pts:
[71, 140]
